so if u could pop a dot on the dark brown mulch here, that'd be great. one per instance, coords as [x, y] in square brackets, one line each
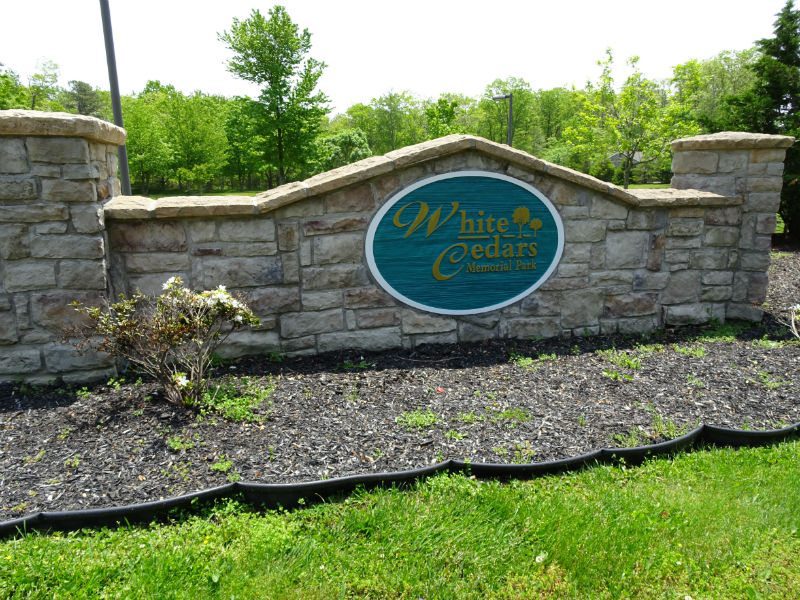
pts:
[517, 401]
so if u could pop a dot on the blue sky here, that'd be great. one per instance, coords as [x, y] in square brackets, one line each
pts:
[371, 47]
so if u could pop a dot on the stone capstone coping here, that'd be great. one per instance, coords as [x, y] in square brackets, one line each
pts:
[34, 122]
[732, 140]
[669, 198]
[137, 207]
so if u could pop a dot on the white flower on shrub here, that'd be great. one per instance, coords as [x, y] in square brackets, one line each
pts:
[180, 380]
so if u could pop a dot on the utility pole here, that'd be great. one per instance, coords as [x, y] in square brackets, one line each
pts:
[116, 106]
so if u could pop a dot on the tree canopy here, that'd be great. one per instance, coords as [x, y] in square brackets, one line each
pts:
[272, 52]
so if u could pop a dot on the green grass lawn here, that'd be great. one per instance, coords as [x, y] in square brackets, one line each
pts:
[648, 186]
[711, 524]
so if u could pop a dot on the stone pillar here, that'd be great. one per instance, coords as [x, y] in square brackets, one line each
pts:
[748, 166]
[56, 170]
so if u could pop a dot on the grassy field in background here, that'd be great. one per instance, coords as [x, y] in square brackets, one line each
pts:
[648, 186]
[172, 194]
[717, 523]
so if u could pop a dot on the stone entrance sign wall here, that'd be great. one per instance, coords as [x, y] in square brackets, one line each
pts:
[632, 261]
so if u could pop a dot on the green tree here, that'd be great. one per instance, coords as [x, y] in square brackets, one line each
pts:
[341, 148]
[245, 157]
[273, 53]
[43, 87]
[774, 103]
[493, 115]
[149, 155]
[12, 92]
[631, 125]
[82, 98]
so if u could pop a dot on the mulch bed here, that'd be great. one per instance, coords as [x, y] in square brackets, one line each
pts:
[334, 415]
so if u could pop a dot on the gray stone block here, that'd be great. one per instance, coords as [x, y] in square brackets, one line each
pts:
[584, 231]
[58, 150]
[13, 158]
[334, 277]
[721, 236]
[626, 250]
[247, 230]
[15, 361]
[418, 322]
[240, 272]
[249, 343]
[308, 323]
[14, 242]
[67, 246]
[683, 287]
[61, 190]
[372, 339]
[82, 275]
[581, 309]
[24, 275]
[147, 236]
[687, 314]
[531, 327]
[17, 189]
[338, 248]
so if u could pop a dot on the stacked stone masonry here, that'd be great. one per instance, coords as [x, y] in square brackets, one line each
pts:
[633, 260]
[52, 239]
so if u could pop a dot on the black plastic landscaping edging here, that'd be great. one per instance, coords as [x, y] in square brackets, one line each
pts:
[293, 495]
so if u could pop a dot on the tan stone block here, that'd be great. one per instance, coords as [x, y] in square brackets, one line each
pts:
[152, 284]
[339, 248]
[256, 229]
[732, 140]
[53, 312]
[334, 225]
[418, 322]
[775, 155]
[322, 300]
[239, 272]
[146, 236]
[723, 216]
[355, 199]
[764, 184]
[249, 343]
[293, 345]
[291, 267]
[695, 162]
[606, 209]
[370, 318]
[367, 297]
[288, 236]
[334, 277]
[630, 305]
[685, 227]
[584, 231]
[308, 323]
[156, 262]
[383, 338]
[273, 300]
[731, 162]
[59, 190]
[202, 231]
[530, 327]
[626, 249]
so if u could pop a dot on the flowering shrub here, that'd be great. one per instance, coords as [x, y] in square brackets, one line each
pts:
[794, 320]
[171, 337]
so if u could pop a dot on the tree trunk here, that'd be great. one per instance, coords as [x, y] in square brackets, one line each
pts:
[281, 166]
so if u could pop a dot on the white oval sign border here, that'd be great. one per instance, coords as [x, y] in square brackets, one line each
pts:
[376, 220]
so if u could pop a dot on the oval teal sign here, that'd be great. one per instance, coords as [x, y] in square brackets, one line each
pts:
[464, 243]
